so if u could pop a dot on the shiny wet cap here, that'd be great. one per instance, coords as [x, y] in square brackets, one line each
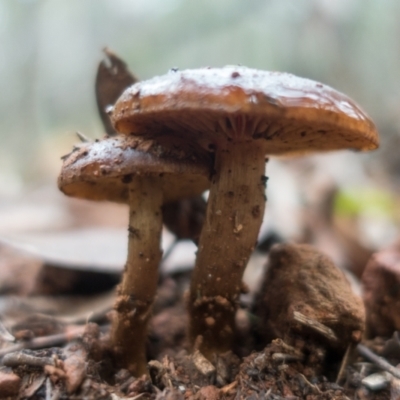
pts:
[102, 170]
[289, 114]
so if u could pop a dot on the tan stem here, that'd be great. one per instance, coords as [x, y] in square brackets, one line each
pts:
[139, 283]
[234, 214]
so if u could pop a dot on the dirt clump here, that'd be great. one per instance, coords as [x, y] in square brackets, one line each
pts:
[304, 295]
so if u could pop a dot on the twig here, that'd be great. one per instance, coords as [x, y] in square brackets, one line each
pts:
[83, 138]
[227, 388]
[377, 360]
[5, 334]
[40, 342]
[16, 359]
[344, 363]
[48, 341]
[315, 326]
[48, 389]
[286, 358]
[168, 252]
[138, 396]
[95, 316]
[309, 384]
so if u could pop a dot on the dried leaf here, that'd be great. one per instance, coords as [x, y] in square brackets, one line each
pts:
[113, 77]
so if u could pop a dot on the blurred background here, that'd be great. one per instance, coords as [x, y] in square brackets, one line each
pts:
[50, 50]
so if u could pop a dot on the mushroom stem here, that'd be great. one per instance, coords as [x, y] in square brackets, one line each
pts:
[139, 283]
[234, 214]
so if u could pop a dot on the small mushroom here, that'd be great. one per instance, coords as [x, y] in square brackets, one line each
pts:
[241, 115]
[184, 218]
[144, 175]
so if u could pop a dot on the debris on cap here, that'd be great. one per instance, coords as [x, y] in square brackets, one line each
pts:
[102, 170]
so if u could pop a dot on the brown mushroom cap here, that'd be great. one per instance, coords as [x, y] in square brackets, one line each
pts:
[102, 170]
[294, 115]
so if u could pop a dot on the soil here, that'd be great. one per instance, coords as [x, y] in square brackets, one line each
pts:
[84, 369]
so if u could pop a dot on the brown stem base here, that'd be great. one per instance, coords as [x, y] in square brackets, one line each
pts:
[139, 283]
[234, 214]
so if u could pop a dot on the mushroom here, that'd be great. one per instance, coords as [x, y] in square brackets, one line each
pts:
[184, 218]
[241, 115]
[144, 175]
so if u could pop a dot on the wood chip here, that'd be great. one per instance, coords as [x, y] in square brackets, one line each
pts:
[377, 381]
[202, 364]
[315, 326]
